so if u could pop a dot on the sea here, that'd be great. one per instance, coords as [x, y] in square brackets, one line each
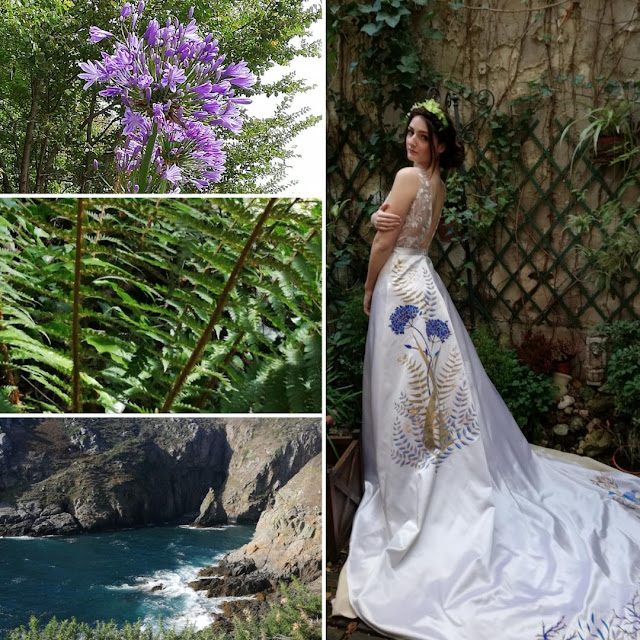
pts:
[114, 576]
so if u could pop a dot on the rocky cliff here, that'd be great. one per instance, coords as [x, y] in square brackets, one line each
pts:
[62, 476]
[287, 542]
[288, 537]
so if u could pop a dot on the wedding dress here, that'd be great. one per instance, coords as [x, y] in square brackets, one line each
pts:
[464, 532]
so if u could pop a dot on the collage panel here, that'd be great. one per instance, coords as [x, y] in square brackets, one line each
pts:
[160, 527]
[137, 305]
[483, 320]
[162, 97]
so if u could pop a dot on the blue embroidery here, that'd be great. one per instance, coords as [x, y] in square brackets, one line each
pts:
[630, 499]
[401, 317]
[438, 329]
[434, 414]
[622, 624]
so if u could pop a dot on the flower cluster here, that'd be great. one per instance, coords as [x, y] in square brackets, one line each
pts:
[175, 88]
[438, 329]
[401, 317]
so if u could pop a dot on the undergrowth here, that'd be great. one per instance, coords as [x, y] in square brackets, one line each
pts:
[296, 617]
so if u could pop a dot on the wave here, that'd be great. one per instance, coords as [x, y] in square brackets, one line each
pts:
[167, 593]
[221, 527]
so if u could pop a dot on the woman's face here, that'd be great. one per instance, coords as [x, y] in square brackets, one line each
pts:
[417, 142]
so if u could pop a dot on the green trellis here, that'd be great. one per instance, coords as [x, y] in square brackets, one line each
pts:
[486, 297]
[544, 283]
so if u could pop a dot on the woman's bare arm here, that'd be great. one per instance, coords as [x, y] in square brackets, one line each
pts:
[384, 220]
[403, 192]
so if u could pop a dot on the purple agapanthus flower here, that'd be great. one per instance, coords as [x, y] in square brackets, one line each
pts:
[176, 88]
[402, 316]
[96, 34]
[93, 72]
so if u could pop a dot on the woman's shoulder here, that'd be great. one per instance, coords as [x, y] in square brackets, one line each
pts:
[407, 178]
[408, 173]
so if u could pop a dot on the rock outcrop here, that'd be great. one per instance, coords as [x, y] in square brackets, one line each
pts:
[288, 537]
[62, 476]
[211, 511]
[287, 543]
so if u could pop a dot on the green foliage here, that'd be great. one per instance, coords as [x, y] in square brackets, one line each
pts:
[152, 272]
[345, 355]
[297, 617]
[387, 72]
[526, 394]
[618, 255]
[623, 381]
[623, 366]
[490, 188]
[72, 127]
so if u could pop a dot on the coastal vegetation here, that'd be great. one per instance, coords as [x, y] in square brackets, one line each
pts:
[296, 617]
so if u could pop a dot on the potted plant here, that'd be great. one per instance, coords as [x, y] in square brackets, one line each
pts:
[612, 131]
[627, 456]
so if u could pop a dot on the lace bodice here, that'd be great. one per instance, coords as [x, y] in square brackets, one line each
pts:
[414, 233]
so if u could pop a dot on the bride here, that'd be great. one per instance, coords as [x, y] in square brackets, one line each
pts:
[464, 532]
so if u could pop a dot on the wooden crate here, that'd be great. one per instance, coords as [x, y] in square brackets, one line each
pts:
[344, 491]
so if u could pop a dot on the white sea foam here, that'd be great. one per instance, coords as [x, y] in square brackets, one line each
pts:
[191, 608]
[216, 528]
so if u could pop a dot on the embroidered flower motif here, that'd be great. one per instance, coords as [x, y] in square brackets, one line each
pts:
[438, 329]
[434, 412]
[630, 499]
[401, 317]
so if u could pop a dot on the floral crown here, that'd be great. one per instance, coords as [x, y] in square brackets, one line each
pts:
[432, 107]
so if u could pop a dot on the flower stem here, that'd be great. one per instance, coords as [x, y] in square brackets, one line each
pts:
[143, 172]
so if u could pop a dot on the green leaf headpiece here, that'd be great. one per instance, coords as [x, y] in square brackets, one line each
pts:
[432, 107]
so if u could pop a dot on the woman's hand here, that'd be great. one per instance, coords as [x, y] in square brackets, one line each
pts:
[384, 220]
[367, 301]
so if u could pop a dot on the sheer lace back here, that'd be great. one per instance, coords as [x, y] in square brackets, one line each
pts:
[414, 233]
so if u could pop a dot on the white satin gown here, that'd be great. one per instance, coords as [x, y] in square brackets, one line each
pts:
[464, 532]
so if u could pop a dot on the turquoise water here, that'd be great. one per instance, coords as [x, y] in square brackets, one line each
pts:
[110, 576]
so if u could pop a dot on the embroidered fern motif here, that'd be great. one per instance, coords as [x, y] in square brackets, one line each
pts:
[434, 414]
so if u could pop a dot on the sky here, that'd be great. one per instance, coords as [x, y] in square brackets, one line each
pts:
[309, 170]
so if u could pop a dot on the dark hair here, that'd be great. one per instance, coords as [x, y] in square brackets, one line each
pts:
[453, 154]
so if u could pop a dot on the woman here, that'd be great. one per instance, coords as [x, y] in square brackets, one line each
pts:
[465, 533]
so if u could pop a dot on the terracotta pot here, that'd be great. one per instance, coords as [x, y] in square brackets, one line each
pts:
[609, 148]
[618, 452]
[563, 367]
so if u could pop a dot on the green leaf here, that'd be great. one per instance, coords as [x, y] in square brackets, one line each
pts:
[372, 29]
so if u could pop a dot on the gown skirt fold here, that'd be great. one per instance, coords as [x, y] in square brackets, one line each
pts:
[464, 532]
